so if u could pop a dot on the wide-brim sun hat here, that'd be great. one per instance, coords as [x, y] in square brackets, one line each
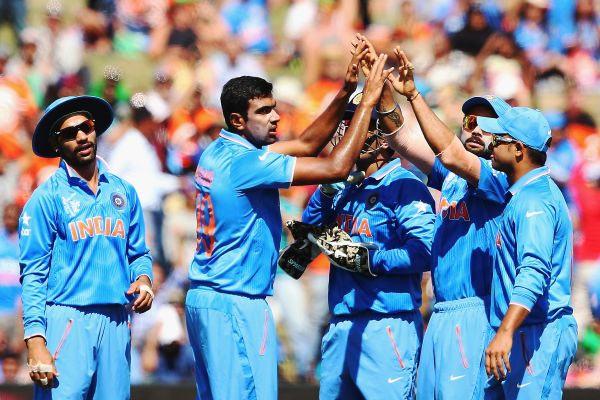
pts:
[99, 109]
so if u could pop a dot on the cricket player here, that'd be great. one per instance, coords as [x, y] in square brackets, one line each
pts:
[536, 333]
[239, 226]
[83, 258]
[452, 360]
[372, 347]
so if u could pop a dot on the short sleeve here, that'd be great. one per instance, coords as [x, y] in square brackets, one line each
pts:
[262, 169]
[493, 184]
[437, 175]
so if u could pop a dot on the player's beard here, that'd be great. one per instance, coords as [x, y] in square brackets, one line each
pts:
[75, 160]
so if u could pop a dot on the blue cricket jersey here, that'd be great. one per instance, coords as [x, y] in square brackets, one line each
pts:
[393, 209]
[535, 246]
[463, 246]
[79, 248]
[10, 288]
[238, 216]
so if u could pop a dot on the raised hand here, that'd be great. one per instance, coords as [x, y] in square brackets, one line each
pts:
[375, 81]
[359, 51]
[404, 83]
[368, 60]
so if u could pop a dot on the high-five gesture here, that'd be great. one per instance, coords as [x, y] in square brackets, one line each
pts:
[404, 83]
[367, 61]
[359, 51]
[375, 81]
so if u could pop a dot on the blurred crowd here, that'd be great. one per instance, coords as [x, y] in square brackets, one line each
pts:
[541, 53]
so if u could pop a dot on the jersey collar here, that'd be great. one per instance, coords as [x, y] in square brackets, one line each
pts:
[235, 138]
[72, 174]
[388, 168]
[528, 178]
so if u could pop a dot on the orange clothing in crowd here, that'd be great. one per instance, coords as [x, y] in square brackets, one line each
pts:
[16, 105]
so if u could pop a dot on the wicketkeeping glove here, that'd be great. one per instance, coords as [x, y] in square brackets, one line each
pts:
[342, 252]
[294, 259]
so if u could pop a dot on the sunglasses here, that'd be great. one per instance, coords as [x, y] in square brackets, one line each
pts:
[70, 132]
[499, 139]
[469, 122]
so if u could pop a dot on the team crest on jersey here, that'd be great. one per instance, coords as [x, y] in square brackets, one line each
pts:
[71, 205]
[118, 201]
[499, 240]
[372, 200]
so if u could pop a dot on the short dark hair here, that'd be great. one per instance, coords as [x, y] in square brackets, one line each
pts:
[238, 92]
[537, 157]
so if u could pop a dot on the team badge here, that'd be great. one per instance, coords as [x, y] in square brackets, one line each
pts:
[499, 240]
[117, 200]
[372, 200]
[71, 205]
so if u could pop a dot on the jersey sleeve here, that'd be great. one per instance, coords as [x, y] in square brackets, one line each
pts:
[37, 232]
[493, 184]
[262, 169]
[319, 209]
[534, 229]
[437, 175]
[414, 218]
[138, 254]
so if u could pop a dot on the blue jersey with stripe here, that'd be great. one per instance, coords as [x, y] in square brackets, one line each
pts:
[463, 246]
[535, 246]
[238, 216]
[393, 209]
[78, 248]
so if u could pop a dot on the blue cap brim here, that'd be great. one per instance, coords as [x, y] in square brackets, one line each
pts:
[100, 110]
[490, 125]
[495, 103]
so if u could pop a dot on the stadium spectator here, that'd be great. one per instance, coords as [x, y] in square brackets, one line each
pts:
[562, 155]
[145, 171]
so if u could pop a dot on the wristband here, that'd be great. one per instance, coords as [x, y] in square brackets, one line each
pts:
[411, 99]
[384, 113]
[383, 134]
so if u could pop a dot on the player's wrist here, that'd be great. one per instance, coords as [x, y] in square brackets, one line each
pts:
[145, 279]
[35, 342]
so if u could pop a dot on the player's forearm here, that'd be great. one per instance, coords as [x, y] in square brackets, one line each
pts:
[319, 132]
[445, 144]
[530, 283]
[436, 133]
[410, 145]
[344, 155]
[413, 257]
[513, 318]
[34, 303]
[319, 209]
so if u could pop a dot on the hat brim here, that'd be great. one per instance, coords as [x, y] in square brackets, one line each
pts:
[490, 125]
[100, 110]
[499, 107]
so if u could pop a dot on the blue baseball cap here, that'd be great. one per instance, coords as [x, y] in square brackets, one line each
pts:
[99, 109]
[522, 123]
[496, 103]
[556, 119]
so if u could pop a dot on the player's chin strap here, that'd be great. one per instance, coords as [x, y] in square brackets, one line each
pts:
[147, 289]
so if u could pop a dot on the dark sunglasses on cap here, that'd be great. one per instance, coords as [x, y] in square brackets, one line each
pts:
[499, 139]
[70, 132]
